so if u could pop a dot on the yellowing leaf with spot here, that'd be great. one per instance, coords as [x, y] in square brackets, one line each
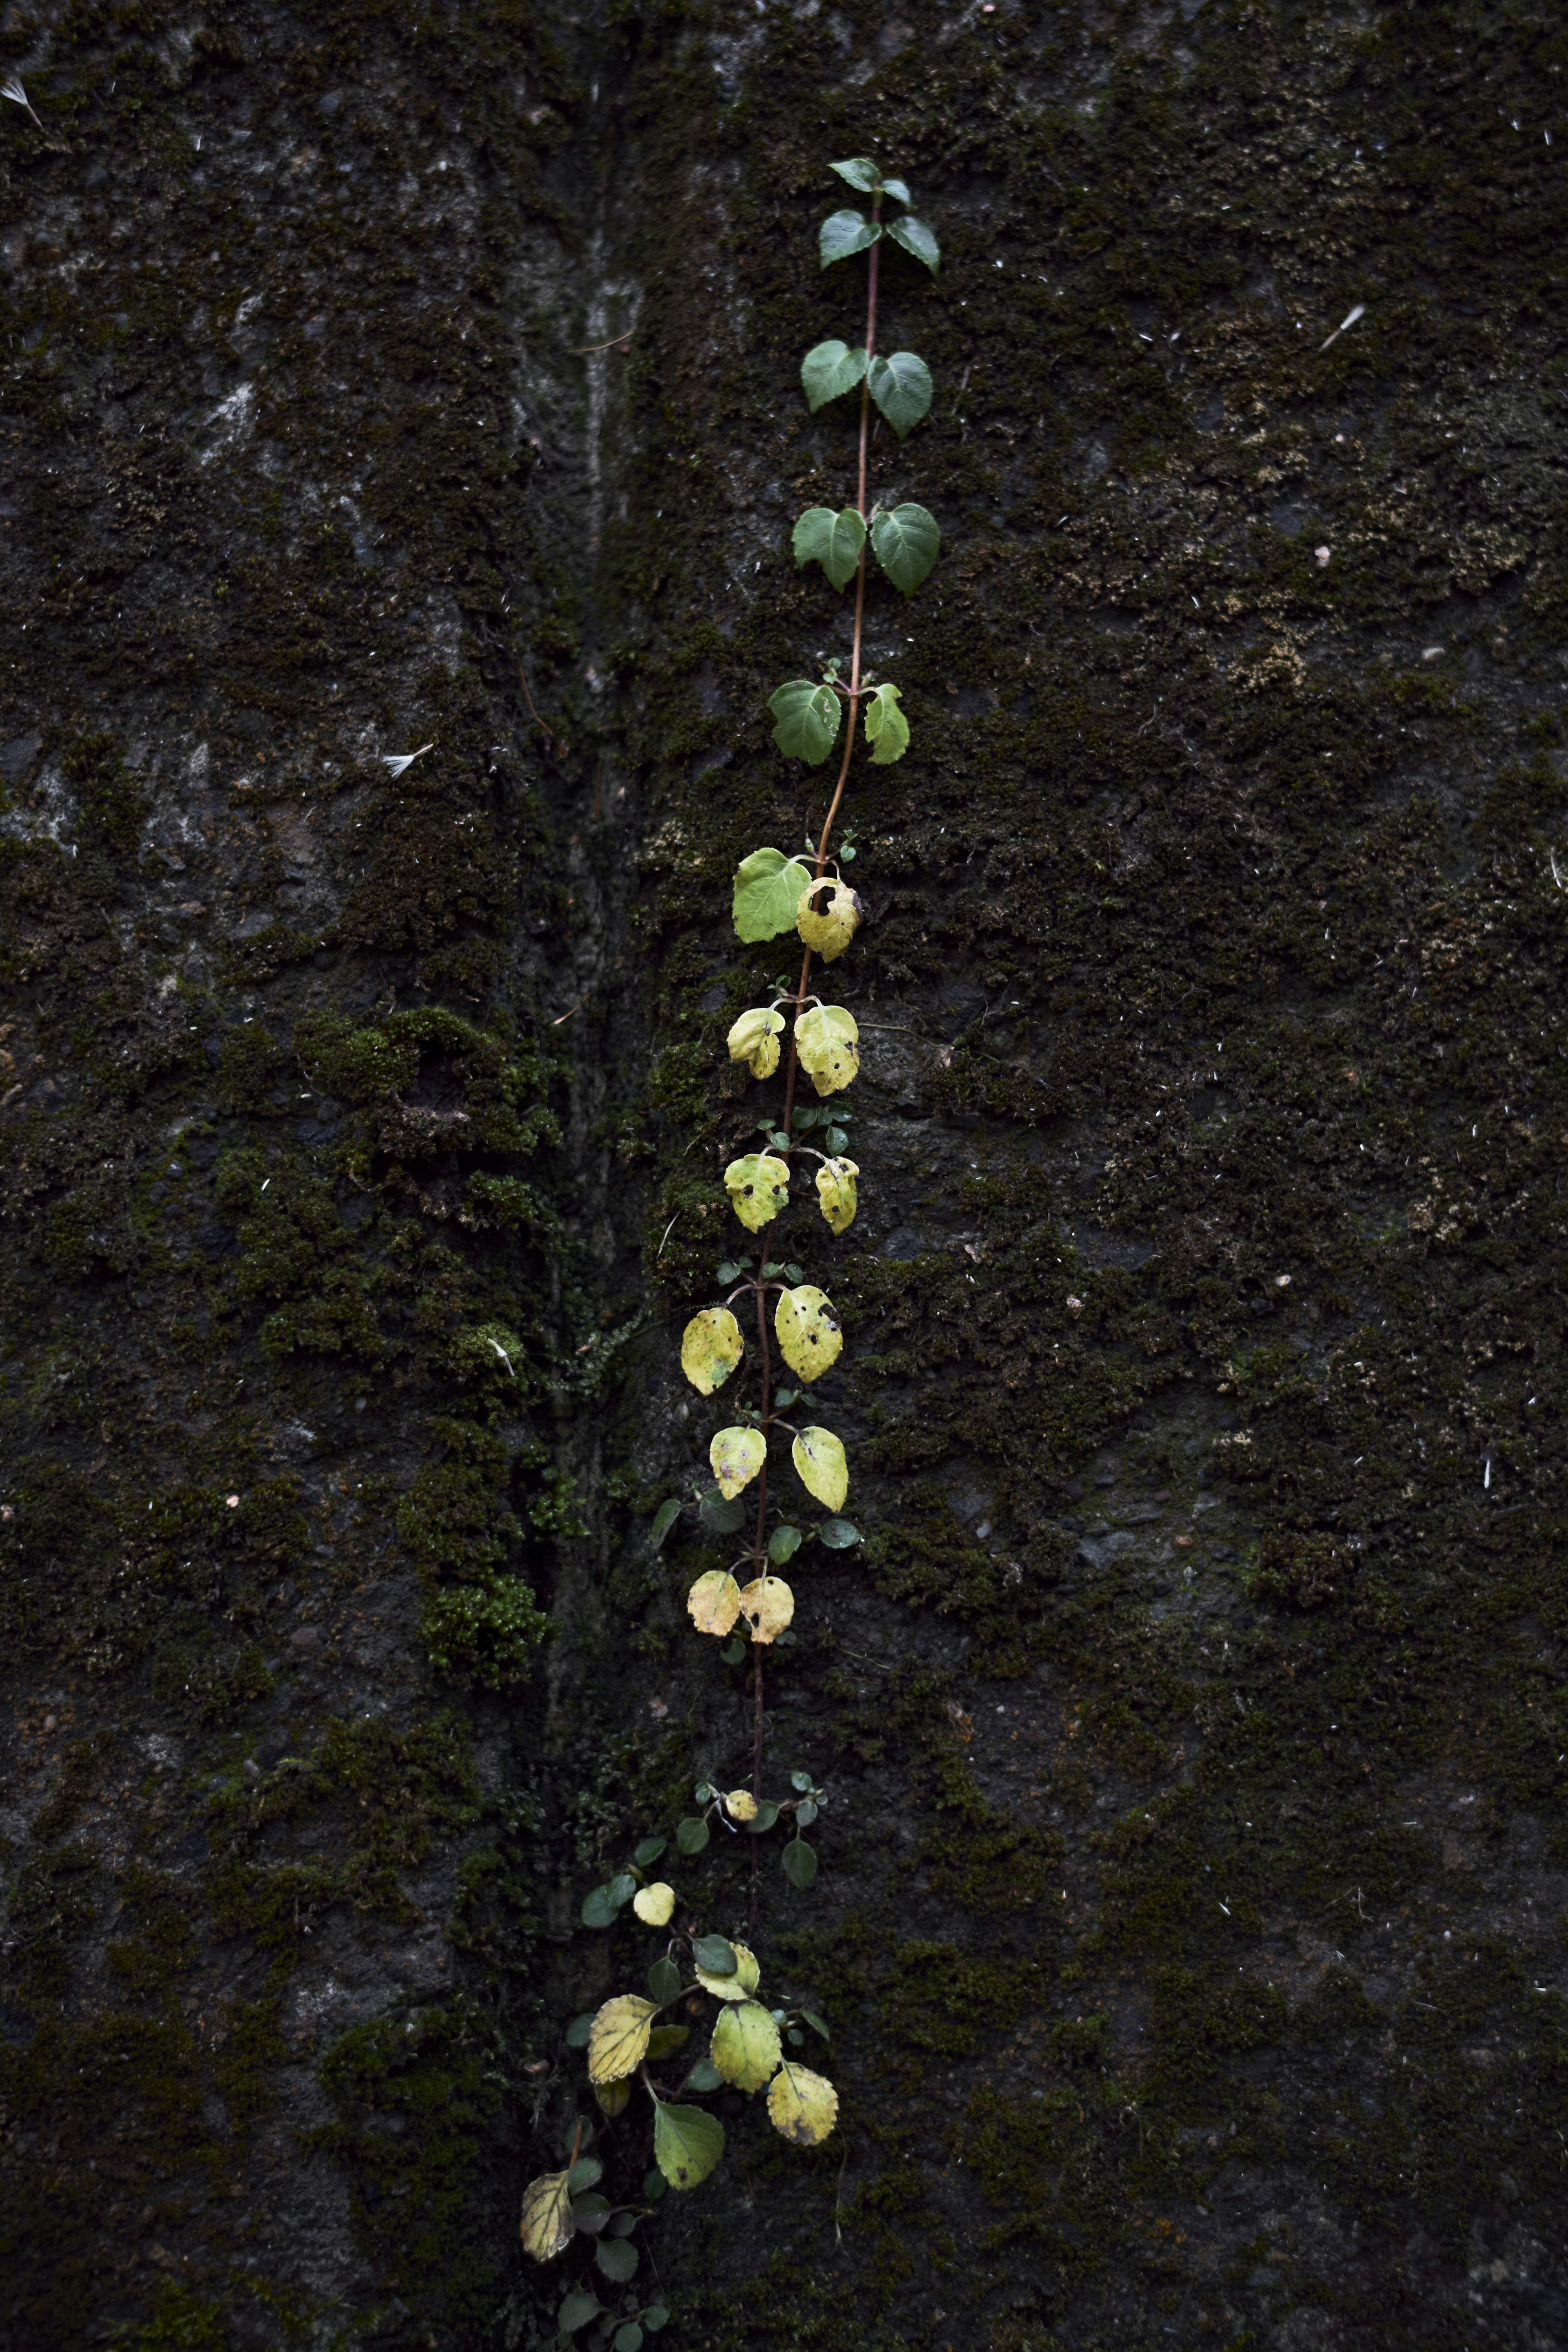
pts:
[547, 2223]
[654, 1905]
[827, 1041]
[710, 1348]
[745, 2046]
[738, 1987]
[714, 1601]
[737, 1455]
[827, 919]
[819, 1458]
[618, 2041]
[613, 2098]
[754, 1040]
[807, 1330]
[758, 1187]
[802, 2105]
[741, 1805]
[836, 1191]
[767, 1606]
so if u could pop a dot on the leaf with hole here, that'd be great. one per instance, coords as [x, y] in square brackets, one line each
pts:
[692, 1834]
[710, 1348]
[767, 1605]
[819, 1458]
[807, 719]
[804, 2106]
[782, 1544]
[654, 1905]
[916, 239]
[807, 1331]
[767, 884]
[827, 1041]
[713, 1604]
[745, 2046]
[834, 540]
[906, 542]
[886, 728]
[546, 2226]
[861, 173]
[757, 1186]
[619, 2038]
[835, 1193]
[828, 916]
[686, 2144]
[737, 1455]
[754, 1040]
[799, 1863]
[616, 2259]
[844, 232]
[664, 1980]
[829, 369]
[902, 388]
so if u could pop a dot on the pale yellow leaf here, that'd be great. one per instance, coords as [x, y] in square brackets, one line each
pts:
[827, 1039]
[828, 918]
[745, 2046]
[741, 1805]
[737, 1455]
[618, 2043]
[758, 1187]
[710, 1348]
[714, 1601]
[836, 1191]
[802, 2105]
[654, 1905]
[807, 1330]
[738, 1987]
[819, 1458]
[754, 1040]
[767, 1606]
[547, 2224]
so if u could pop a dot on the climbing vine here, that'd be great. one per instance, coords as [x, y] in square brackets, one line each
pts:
[749, 1604]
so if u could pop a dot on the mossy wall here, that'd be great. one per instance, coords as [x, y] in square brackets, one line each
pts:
[1191, 1913]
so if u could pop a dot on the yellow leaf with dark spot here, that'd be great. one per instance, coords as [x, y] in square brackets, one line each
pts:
[819, 1458]
[836, 1191]
[547, 2223]
[618, 2040]
[827, 1041]
[741, 1805]
[827, 919]
[714, 1601]
[767, 1606]
[807, 1330]
[758, 1187]
[737, 1455]
[754, 1040]
[802, 2105]
[710, 1348]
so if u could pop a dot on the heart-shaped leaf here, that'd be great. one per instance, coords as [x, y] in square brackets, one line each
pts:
[768, 883]
[914, 237]
[686, 2144]
[834, 540]
[861, 173]
[844, 233]
[886, 728]
[906, 541]
[807, 718]
[829, 369]
[901, 387]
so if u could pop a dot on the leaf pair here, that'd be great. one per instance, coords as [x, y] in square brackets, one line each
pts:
[905, 540]
[715, 1602]
[899, 382]
[850, 232]
[808, 717]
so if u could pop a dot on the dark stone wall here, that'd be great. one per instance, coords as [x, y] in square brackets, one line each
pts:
[1190, 1927]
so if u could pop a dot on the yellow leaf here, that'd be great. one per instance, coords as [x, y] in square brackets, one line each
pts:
[710, 1348]
[819, 1458]
[827, 928]
[807, 1330]
[754, 1040]
[547, 2223]
[737, 1455]
[653, 1904]
[618, 2041]
[827, 1039]
[758, 1187]
[714, 1601]
[745, 2046]
[767, 1605]
[802, 2105]
[835, 1191]
[742, 1805]
[742, 1983]
[613, 2098]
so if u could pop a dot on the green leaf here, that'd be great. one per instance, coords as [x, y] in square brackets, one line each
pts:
[915, 237]
[667, 1513]
[844, 233]
[578, 2032]
[650, 1850]
[897, 189]
[785, 1397]
[861, 173]
[795, 1274]
[768, 883]
[836, 1139]
[653, 2183]
[829, 369]
[767, 1814]
[834, 540]
[587, 2173]
[629, 2337]
[807, 719]
[616, 2259]
[900, 386]
[720, 1518]
[664, 1980]
[577, 2311]
[715, 1954]
[801, 1780]
[806, 1812]
[797, 2037]
[906, 539]
[691, 1834]
[838, 1535]
[686, 2144]
[799, 1863]
[886, 728]
[815, 2023]
[734, 1267]
[591, 2212]
[732, 1652]
[603, 1906]
[654, 2318]
[665, 2039]
[782, 1544]
[705, 2076]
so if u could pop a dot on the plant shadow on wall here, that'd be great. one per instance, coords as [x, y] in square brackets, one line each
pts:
[754, 2043]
